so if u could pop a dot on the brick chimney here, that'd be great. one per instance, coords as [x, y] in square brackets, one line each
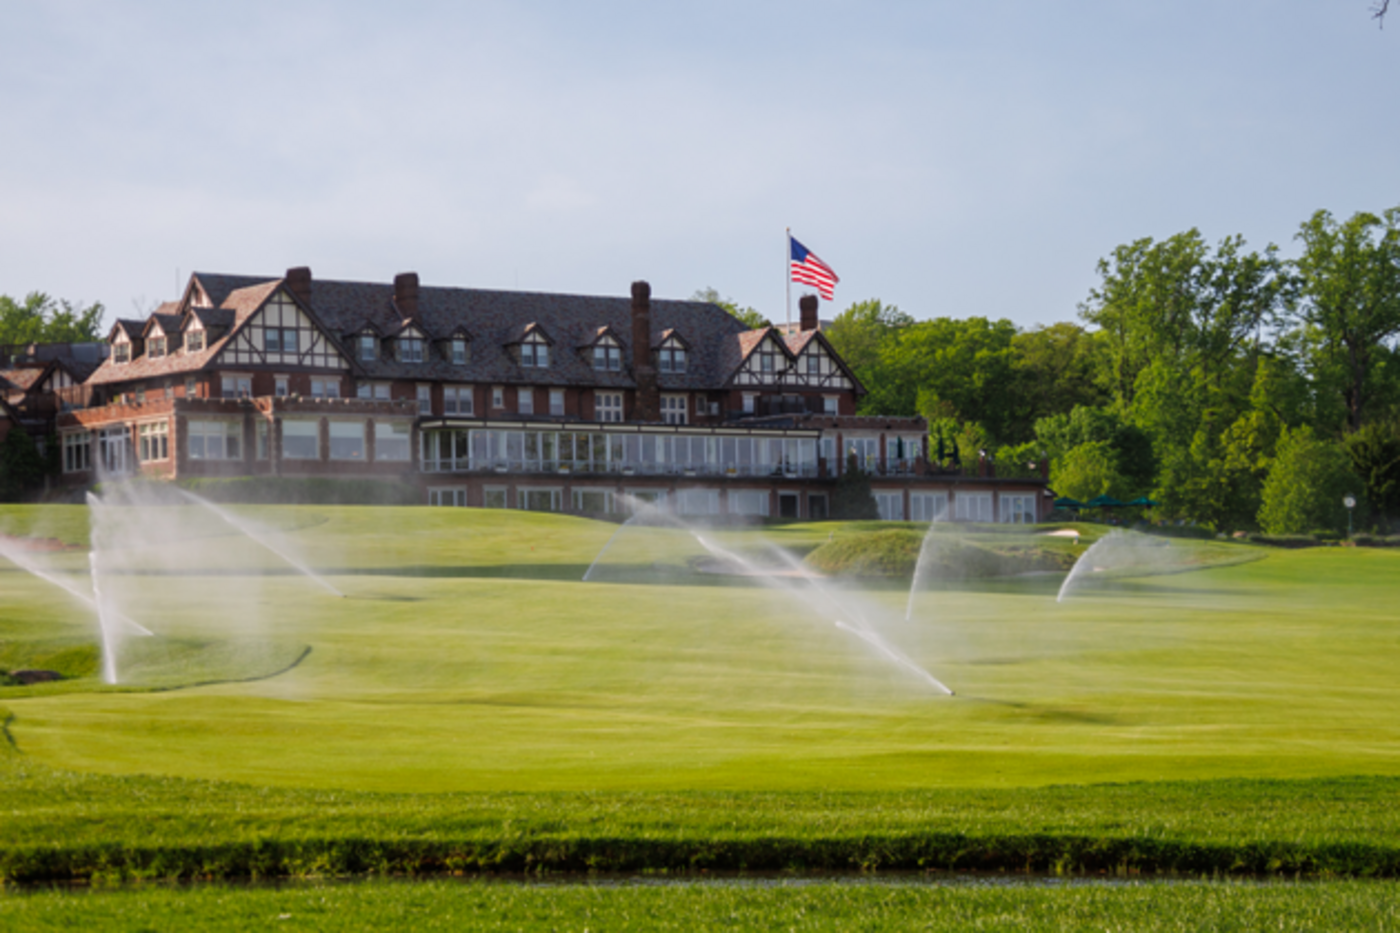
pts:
[647, 406]
[406, 293]
[807, 305]
[299, 282]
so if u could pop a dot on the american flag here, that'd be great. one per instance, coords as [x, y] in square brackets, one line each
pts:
[808, 269]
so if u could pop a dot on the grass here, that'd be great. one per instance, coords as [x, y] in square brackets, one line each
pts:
[471, 705]
[794, 905]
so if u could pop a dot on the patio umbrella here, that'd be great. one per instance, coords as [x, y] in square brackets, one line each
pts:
[1065, 502]
[1144, 501]
[1103, 502]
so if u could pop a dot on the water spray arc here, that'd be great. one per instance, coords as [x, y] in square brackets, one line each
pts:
[920, 563]
[252, 534]
[819, 597]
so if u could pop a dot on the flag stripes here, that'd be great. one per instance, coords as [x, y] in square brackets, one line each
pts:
[806, 268]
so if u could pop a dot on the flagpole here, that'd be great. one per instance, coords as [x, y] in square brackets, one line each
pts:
[787, 278]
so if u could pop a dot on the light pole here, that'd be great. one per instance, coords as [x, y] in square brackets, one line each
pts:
[1350, 502]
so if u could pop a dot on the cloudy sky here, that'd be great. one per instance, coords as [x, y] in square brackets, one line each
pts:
[952, 158]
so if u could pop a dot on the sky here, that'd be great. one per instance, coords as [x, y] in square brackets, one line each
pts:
[951, 158]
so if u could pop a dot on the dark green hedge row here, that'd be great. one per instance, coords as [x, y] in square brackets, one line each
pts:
[48, 862]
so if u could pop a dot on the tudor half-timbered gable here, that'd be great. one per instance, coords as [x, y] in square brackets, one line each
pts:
[281, 334]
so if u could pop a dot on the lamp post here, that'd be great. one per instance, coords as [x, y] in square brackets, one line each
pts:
[1350, 502]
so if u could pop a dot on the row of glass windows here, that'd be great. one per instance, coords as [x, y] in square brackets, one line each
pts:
[753, 502]
[1016, 508]
[159, 346]
[409, 349]
[595, 451]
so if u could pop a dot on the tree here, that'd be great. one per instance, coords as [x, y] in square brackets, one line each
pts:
[40, 319]
[860, 333]
[1306, 485]
[851, 498]
[1375, 458]
[748, 316]
[1126, 446]
[1056, 370]
[1349, 283]
[1088, 471]
[21, 466]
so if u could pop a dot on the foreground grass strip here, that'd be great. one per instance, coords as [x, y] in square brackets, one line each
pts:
[825, 905]
[63, 826]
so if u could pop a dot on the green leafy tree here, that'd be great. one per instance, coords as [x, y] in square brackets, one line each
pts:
[1349, 290]
[851, 498]
[1088, 471]
[1306, 485]
[1375, 458]
[860, 333]
[1056, 370]
[40, 319]
[749, 316]
[1128, 446]
[21, 466]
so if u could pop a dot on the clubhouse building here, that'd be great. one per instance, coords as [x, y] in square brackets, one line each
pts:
[496, 399]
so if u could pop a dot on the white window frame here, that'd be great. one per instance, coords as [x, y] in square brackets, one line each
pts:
[393, 441]
[410, 349]
[556, 401]
[607, 406]
[457, 400]
[367, 350]
[154, 443]
[972, 507]
[890, 504]
[928, 506]
[237, 385]
[458, 350]
[609, 499]
[77, 452]
[281, 386]
[315, 433]
[498, 398]
[675, 409]
[447, 496]
[555, 493]
[425, 398]
[525, 400]
[1016, 508]
[194, 340]
[344, 436]
[220, 430]
[325, 388]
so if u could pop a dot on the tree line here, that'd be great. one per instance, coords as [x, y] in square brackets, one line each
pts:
[1238, 389]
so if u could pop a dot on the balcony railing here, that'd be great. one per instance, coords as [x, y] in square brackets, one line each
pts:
[507, 465]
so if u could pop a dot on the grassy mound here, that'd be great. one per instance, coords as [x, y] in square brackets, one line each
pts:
[895, 552]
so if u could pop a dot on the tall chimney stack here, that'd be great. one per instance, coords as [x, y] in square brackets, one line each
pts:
[807, 305]
[299, 282]
[406, 293]
[647, 406]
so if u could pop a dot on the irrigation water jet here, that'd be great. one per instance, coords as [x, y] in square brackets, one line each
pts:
[820, 598]
[587, 574]
[17, 557]
[253, 535]
[919, 565]
[1114, 551]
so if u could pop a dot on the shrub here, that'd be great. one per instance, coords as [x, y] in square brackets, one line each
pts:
[1306, 485]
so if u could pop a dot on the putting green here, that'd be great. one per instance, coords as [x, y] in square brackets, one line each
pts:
[468, 655]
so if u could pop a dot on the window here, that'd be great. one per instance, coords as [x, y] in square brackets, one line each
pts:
[525, 400]
[748, 502]
[891, 506]
[607, 356]
[767, 361]
[928, 506]
[673, 409]
[697, 502]
[831, 404]
[814, 365]
[829, 454]
[607, 406]
[279, 384]
[493, 497]
[121, 352]
[593, 501]
[347, 440]
[556, 401]
[457, 400]
[866, 450]
[1017, 509]
[540, 500]
[378, 391]
[279, 340]
[459, 351]
[498, 399]
[449, 497]
[77, 452]
[237, 386]
[425, 399]
[749, 400]
[155, 348]
[194, 341]
[671, 358]
[214, 440]
[301, 440]
[155, 441]
[534, 352]
[972, 507]
[114, 449]
[191, 387]
[325, 388]
[367, 348]
[410, 349]
[140, 395]
[391, 440]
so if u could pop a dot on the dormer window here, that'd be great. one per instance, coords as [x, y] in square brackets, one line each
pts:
[367, 350]
[607, 356]
[410, 349]
[121, 352]
[155, 348]
[459, 351]
[534, 352]
[768, 360]
[194, 341]
[671, 358]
